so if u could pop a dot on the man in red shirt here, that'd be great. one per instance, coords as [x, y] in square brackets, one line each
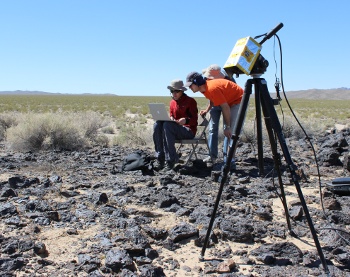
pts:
[184, 113]
[220, 92]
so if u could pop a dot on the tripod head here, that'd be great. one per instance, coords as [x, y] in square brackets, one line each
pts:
[246, 58]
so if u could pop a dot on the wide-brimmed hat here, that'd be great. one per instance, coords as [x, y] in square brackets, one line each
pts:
[177, 85]
[213, 72]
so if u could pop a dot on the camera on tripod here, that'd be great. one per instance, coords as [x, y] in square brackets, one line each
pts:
[245, 58]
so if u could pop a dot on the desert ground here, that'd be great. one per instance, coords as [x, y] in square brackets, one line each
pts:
[77, 213]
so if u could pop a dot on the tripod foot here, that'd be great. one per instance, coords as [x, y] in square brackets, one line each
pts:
[294, 235]
[201, 258]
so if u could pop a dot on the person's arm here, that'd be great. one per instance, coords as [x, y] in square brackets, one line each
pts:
[226, 113]
[192, 114]
[171, 110]
[204, 112]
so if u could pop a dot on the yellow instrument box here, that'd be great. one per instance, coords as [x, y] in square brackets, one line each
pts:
[243, 56]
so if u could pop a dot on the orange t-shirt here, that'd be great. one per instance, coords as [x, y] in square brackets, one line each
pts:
[221, 91]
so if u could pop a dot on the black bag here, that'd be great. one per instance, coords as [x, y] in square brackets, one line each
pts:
[137, 161]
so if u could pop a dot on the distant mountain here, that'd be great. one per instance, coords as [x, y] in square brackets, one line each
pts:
[322, 94]
[27, 92]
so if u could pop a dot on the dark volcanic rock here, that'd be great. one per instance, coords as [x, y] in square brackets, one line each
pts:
[7, 209]
[278, 253]
[117, 259]
[237, 230]
[166, 200]
[182, 231]
[69, 213]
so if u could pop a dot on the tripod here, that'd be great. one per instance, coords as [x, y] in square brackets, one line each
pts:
[274, 129]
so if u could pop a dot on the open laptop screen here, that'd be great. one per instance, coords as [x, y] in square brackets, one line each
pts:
[159, 112]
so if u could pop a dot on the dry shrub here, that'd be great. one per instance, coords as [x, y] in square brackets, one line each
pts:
[59, 131]
[64, 134]
[101, 140]
[291, 128]
[6, 121]
[108, 130]
[248, 133]
[91, 122]
[29, 133]
[134, 134]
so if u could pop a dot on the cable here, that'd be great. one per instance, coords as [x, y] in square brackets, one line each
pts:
[311, 144]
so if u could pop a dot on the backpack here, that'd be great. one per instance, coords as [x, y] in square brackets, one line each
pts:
[137, 161]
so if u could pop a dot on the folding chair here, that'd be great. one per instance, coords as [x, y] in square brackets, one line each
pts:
[200, 138]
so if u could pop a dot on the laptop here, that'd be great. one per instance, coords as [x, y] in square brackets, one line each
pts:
[159, 112]
[340, 185]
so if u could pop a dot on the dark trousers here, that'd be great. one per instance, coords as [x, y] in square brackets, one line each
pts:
[164, 135]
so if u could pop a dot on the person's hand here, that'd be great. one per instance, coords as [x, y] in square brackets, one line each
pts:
[203, 112]
[181, 121]
[227, 133]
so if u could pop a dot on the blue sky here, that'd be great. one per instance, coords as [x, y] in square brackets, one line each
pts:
[136, 47]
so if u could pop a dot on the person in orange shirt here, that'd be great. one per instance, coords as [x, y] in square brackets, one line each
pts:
[220, 92]
[214, 71]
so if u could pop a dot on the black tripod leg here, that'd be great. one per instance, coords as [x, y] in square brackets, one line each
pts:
[233, 143]
[276, 158]
[270, 114]
[277, 162]
[259, 130]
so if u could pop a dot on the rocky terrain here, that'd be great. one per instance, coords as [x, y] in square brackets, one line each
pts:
[79, 214]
